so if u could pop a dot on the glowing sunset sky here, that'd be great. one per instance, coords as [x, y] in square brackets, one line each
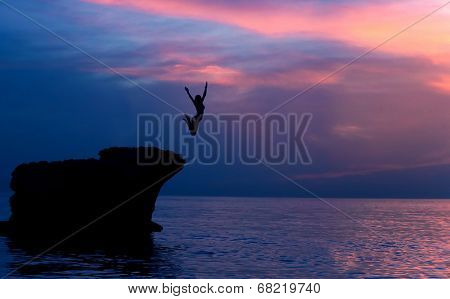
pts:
[382, 123]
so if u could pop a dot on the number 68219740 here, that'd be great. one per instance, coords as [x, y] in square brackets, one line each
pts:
[299, 287]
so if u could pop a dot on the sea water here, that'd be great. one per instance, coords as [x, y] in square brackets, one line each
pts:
[231, 237]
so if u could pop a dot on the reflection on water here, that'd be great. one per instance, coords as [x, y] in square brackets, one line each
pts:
[142, 259]
[263, 238]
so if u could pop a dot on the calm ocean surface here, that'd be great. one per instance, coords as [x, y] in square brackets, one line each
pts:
[213, 237]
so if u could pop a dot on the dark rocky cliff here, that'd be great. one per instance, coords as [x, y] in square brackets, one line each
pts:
[59, 198]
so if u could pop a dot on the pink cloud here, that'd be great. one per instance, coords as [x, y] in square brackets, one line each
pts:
[442, 83]
[371, 170]
[350, 131]
[180, 72]
[290, 79]
[359, 24]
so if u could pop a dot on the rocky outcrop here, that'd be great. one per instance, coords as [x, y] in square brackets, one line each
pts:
[111, 196]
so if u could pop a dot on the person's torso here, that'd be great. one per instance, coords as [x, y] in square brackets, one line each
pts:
[200, 107]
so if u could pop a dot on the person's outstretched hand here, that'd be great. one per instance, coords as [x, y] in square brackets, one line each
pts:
[185, 88]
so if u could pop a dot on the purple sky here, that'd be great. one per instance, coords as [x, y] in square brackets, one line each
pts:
[380, 128]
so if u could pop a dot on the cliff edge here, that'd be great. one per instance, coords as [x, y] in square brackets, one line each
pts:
[112, 196]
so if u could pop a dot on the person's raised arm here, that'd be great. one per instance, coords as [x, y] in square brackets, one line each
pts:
[189, 94]
[204, 92]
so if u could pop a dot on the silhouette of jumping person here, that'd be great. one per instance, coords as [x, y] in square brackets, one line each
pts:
[193, 122]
